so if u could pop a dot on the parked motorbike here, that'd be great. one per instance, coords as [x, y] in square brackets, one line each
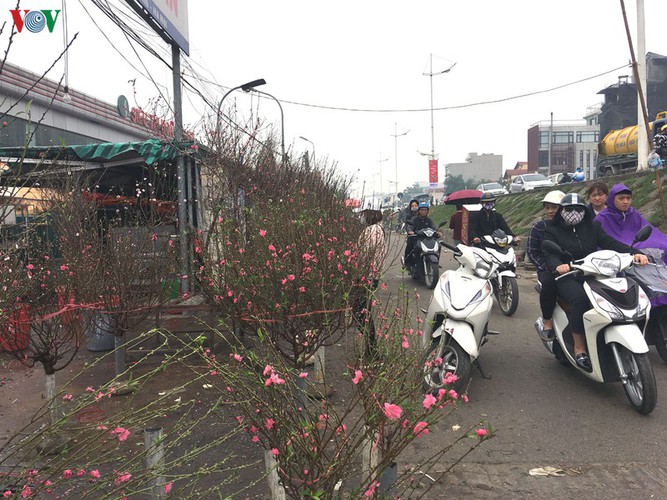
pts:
[425, 261]
[457, 318]
[616, 345]
[653, 280]
[505, 287]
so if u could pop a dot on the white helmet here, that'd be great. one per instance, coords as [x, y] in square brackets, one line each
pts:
[553, 197]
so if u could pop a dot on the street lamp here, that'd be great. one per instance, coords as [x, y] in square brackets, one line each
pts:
[311, 143]
[430, 74]
[380, 161]
[396, 136]
[246, 87]
[282, 120]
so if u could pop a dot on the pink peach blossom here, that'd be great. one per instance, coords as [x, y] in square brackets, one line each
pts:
[392, 411]
[421, 428]
[357, 377]
[429, 400]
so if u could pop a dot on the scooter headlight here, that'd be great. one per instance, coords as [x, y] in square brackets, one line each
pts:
[501, 242]
[483, 267]
[607, 267]
[444, 284]
[613, 311]
[482, 294]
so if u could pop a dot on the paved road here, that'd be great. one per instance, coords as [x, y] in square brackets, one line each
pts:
[546, 414]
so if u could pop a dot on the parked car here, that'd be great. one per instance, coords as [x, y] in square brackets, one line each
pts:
[527, 182]
[493, 188]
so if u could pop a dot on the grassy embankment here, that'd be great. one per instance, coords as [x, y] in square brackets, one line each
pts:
[521, 210]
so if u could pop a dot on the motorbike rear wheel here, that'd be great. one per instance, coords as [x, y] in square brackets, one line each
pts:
[445, 356]
[508, 295]
[640, 388]
[432, 275]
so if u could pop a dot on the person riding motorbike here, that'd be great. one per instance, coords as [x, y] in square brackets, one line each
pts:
[487, 220]
[660, 142]
[551, 203]
[408, 212]
[417, 223]
[575, 232]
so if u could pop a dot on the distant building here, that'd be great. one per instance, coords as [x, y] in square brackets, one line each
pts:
[573, 144]
[520, 168]
[484, 167]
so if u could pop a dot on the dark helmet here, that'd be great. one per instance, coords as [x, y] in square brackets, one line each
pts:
[573, 199]
[423, 204]
[487, 198]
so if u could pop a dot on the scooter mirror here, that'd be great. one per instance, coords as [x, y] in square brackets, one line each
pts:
[643, 234]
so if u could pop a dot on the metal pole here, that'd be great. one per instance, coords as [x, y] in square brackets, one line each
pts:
[642, 132]
[430, 74]
[396, 136]
[180, 170]
[551, 133]
[282, 121]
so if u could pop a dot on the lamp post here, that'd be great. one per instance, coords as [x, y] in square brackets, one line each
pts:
[311, 143]
[282, 121]
[380, 161]
[396, 135]
[246, 87]
[430, 74]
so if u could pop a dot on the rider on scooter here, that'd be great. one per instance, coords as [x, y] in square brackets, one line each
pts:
[487, 220]
[417, 223]
[574, 231]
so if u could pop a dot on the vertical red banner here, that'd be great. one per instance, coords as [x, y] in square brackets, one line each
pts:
[433, 172]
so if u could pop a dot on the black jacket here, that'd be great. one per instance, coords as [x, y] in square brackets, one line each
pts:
[486, 222]
[580, 240]
[418, 223]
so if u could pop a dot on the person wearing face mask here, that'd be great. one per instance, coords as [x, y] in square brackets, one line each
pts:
[574, 230]
[487, 220]
[408, 214]
[622, 221]
[551, 203]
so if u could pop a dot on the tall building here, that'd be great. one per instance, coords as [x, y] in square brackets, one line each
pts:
[565, 145]
[484, 167]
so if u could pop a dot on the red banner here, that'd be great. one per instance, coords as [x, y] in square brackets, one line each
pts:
[433, 171]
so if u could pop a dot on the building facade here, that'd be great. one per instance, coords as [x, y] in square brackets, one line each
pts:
[484, 167]
[35, 111]
[556, 146]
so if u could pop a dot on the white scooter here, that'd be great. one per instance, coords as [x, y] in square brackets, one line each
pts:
[505, 287]
[457, 318]
[616, 345]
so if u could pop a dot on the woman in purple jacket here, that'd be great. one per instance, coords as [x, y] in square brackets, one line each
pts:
[621, 221]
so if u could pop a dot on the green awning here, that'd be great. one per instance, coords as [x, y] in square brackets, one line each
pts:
[151, 151]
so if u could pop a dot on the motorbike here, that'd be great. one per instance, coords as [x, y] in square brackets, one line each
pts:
[616, 344]
[505, 287]
[457, 319]
[425, 261]
[653, 280]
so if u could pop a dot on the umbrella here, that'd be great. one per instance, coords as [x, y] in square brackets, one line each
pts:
[463, 197]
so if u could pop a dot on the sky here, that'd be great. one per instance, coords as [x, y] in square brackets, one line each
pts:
[350, 74]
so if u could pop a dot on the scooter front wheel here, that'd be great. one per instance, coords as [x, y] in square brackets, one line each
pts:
[508, 295]
[640, 387]
[432, 273]
[445, 356]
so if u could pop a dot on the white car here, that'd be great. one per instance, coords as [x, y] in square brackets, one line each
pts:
[494, 188]
[556, 178]
[527, 182]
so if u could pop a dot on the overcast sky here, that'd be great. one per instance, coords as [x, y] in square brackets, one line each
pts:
[323, 61]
